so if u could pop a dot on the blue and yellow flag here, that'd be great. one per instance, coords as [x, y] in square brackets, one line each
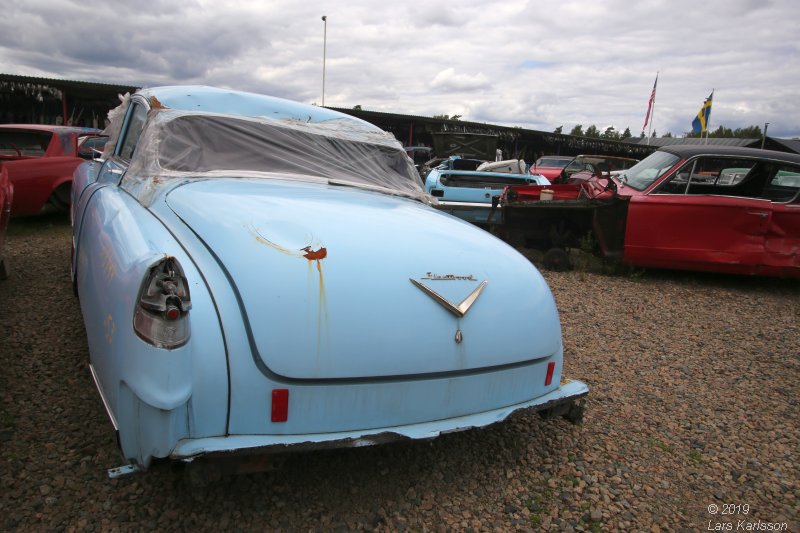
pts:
[700, 123]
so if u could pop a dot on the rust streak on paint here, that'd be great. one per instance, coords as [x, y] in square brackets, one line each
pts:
[308, 252]
[322, 317]
[156, 104]
[315, 255]
[263, 240]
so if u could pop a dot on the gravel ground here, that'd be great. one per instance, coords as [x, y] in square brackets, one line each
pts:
[694, 391]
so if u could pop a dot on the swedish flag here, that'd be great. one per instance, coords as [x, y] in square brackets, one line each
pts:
[700, 123]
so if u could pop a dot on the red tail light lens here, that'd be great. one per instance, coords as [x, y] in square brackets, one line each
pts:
[162, 311]
[280, 405]
[551, 368]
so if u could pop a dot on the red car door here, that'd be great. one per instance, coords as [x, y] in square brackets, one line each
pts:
[782, 245]
[697, 232]
[782, 242]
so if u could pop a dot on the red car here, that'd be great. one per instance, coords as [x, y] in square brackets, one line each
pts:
[691, 207]
[40, 160]
[584, 167]
[6, 197]
[550, 166]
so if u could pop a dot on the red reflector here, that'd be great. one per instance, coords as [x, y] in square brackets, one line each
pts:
[280, 405]
[551, 367]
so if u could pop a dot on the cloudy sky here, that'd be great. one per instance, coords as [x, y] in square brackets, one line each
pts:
[536, 64]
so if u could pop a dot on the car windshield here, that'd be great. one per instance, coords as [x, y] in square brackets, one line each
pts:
[644, 173]
[198, 145]
[24, 143]
[556, 162]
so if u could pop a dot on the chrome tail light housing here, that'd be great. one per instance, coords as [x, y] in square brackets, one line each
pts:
[161, 317]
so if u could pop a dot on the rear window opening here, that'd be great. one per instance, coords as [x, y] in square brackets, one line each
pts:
[483, 182]
[23, 143]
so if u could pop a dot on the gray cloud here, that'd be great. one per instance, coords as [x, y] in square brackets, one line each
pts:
[536, 64]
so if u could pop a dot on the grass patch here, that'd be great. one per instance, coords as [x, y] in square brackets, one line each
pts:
[594, 526]
[538, 503]
[664, 447]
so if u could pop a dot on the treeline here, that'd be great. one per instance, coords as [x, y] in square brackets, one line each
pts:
[592, 132]
[751, 132]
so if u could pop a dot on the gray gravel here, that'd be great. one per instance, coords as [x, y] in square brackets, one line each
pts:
[694, 402]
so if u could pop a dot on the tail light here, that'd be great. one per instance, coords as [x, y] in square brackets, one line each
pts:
[162, 310]
[551, 368]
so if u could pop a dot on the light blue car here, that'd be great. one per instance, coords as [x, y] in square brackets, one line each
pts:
[465, 187]
[261, 276]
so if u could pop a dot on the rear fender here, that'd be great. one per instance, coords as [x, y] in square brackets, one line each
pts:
[156, 395]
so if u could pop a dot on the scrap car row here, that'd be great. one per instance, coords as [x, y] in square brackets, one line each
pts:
[249, 268]
[692, 207]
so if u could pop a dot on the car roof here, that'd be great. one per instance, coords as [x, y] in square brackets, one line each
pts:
[591, 156]
[49, 128]
[692, 150]
[198, 98]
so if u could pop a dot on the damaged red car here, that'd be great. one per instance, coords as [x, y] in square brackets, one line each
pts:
[40, 160]
[690, 207]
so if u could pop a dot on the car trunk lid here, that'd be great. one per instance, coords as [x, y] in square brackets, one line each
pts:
[340, 283]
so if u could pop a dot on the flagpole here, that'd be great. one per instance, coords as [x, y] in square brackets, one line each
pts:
[651, 106]
[708, 130]
[652, 118]
[652, 114]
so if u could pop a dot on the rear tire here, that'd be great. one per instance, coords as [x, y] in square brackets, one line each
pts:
[60, 198]
[557, 259]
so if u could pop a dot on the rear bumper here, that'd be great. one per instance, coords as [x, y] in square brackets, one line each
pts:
[563, 400]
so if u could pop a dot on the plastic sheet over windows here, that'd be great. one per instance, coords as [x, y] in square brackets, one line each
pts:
[179, 144]
[116, 117]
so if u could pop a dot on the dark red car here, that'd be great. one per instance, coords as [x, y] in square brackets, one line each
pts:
[550, 166]
[40, 160]
[691, 207]
[6, 197]
[584, 167]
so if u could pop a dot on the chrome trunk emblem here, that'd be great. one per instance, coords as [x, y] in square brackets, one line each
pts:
[459, 309]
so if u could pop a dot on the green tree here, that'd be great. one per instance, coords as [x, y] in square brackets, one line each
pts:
[668, 134]
[357, 107]
[611, 134]
[627, 133]
[447, 117]
[558, 130]
[750, 132]
[592, 132]
[577, 130]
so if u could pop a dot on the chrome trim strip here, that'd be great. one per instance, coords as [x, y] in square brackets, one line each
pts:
[459, 310]
[102, 397]
[464, 204]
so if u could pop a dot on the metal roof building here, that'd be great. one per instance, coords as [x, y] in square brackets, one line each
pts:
[31, 100]
[770, 143]
[27, 99]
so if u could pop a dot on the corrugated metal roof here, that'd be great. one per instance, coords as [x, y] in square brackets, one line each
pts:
[68, 84]
[715, 141]
[791, 144]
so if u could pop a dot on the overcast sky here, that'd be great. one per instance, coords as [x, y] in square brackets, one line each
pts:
[534, 64]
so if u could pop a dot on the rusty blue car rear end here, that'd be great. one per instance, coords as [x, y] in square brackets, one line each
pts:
[256, 276]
